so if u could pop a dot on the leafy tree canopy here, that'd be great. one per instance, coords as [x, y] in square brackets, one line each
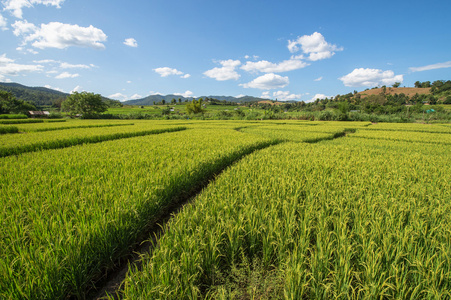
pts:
[84, 103]
[9, 104]
[195, 106]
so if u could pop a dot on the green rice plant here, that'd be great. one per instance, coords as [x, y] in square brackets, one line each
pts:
[70, 124]
[13, 116]
[409, 136]
[8, 129]
[21, 121]
[70, 214]
[36, 141]
[415, 127]
[348, 218]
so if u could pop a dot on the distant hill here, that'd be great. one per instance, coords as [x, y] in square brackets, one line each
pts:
[41, 96]
[149, 100]
[408, 91]
[38, 95]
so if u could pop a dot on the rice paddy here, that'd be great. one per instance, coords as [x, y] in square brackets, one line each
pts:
[301, 210]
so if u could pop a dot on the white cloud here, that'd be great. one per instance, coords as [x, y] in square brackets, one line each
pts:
[59, 35]
[136, 96]
[186, 76]
[318, 96]
[8, 67]
[65, 65]
[315, 45]
[155, 93]
[240, 95]
[186, 94]
[318, 79]
[264, 66]
[23, 28]
[166, 71]
[46, 61]
[281, 95]
[431, 67]
[226, 72]
[118, 96]
[54, 88]
[267, 82]
[131, 42]
[370, 77]
[15, 6]
[3, 23]
[65, 75]
[76, 89]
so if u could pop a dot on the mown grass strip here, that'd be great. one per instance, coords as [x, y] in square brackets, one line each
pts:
[8, 129]
[68, 142]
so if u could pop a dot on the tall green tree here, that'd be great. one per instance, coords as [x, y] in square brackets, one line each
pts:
[10, 104]
[195, 106]
[84, 103]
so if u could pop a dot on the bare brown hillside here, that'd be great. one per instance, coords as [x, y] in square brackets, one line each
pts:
[408, 91]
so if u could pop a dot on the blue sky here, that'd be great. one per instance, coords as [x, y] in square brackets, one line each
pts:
[282, 49]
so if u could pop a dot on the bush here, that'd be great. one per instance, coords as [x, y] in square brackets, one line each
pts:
[13, 116]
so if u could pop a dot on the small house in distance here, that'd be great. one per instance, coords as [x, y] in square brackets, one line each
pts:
[38, 114]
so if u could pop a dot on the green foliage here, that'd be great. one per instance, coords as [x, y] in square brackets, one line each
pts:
[12, 116]
[396, 84]
[8, 129]
[9, 104]
[39, 96]
[84, 103]
[195, 106]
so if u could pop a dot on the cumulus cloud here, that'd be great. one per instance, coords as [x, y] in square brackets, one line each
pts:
[65, 75]
[118, 96]
[77, 89]
[431, 67]
[282, 95]
[15, 6]
[318, 96]
[370, 77]
[186, 94]
[186, 76]
[264, 66]
[59, 35]
[65, 65]
[122, 97]
[131, 42]
[318, 79]
[226, 72]
[267, 82]
[54, 88]
[314, 45]
[166, 71]
[8, 67]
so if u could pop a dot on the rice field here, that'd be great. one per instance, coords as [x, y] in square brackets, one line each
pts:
[301, 210]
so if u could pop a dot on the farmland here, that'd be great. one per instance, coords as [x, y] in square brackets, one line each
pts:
[277, 209]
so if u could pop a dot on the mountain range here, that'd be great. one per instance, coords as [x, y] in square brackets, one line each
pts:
[42, 96]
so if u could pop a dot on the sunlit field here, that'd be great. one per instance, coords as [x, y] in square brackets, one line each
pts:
[276, 210]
